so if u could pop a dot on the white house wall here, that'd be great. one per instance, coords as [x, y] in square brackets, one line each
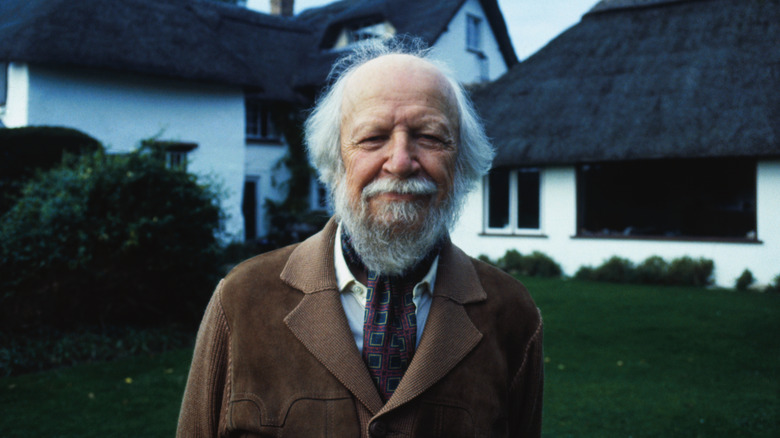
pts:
[451, 47]
[558, 216]
[121, 109]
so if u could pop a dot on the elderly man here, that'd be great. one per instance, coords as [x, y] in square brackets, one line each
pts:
[378, 325]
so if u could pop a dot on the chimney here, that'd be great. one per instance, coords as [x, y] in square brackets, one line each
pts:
[282, 7]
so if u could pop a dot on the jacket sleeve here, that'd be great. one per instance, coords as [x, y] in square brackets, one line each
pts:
[526, 390]
[204, 406]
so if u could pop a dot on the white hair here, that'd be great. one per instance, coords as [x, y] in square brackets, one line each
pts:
[323, 126]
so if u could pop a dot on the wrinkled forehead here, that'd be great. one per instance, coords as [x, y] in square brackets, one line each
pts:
[398, 75]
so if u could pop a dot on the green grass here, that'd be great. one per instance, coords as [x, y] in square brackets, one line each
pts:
[641, 361]
[136, 397]
[623, 361]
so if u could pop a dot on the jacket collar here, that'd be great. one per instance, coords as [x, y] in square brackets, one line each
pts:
[320, 324]
[311, 269]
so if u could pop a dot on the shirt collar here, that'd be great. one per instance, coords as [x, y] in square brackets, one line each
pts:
[344, 277]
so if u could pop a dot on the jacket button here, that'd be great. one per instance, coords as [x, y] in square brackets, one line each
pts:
[378, 429]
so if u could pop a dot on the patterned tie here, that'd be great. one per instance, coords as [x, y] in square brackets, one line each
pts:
[390, 320]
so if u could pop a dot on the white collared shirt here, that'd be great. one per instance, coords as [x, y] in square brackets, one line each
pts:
[353, 294]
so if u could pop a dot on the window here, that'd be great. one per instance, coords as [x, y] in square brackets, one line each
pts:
[318, 195]
[176, 153]
[374, 31]
[695, 198]
[259, 123]
[512, 200]
[365, 30]
[473, 33]
[176, 159]
[3, 82]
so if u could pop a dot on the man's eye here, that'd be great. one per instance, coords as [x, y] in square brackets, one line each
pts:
[374, 140]
[430, 140]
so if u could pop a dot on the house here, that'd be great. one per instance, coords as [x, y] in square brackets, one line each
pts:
[210, 79]
[651, 127]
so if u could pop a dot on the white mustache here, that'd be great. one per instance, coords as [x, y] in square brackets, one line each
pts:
[417, 186]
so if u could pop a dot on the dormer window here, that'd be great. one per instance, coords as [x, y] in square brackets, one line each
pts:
[363, 31]
[473, 33]
[3, 82]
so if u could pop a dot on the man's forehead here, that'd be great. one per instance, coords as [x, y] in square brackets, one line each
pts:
[390, 76]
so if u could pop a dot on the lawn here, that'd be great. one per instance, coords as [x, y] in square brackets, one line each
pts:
[622, 361]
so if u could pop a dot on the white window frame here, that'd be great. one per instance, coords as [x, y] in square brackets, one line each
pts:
[511, 228]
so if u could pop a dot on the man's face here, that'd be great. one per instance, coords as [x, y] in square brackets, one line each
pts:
[399, 123]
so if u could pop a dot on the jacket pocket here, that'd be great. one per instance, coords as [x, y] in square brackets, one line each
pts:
[304, 416]
[443, 420]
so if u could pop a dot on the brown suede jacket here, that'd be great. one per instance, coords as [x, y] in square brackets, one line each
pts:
[274, 356]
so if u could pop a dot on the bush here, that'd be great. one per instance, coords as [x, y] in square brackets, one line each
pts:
[50, 348]
[511, 262]
[615, 270]
[23, 151]
[654, 270]
[586, 273]
[745, 280]
[535, 265]
[683, 271]
[117, 238]
[686, 271]
[775, 286]
[486, 259]
[541, 265]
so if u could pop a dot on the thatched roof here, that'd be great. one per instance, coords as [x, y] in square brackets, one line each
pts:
[642, 80]
[192, 39]
[426, 19]
[279, 57]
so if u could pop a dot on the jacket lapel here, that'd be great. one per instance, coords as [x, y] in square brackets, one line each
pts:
[319, 321]
[320, 324]
[449, 334]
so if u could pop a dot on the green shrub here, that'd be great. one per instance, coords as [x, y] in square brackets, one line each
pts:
[616, 270]
[774, 286]
[117, 238]
[511, 261]
[539, 264]
[745, 280]
[23, 151]
[683, 271]
[536, 264]
[47, 348]
[654, 270]
[686, 271]
[486, 259]
[586, 273]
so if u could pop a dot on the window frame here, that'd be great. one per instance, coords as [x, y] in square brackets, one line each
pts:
[263, 111]
[512, 228]
[674, 229]
[176, 153]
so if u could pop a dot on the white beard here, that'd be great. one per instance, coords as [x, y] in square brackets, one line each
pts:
[400, 234]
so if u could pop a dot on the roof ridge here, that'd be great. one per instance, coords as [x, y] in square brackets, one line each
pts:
[618, 5]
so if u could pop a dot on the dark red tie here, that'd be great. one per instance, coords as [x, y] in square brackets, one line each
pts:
[390, 320]
[389, 331]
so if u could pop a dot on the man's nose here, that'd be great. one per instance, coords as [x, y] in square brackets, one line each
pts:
[402, 156]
